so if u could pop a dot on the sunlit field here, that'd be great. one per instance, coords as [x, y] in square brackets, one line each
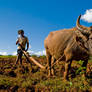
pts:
[30, 78]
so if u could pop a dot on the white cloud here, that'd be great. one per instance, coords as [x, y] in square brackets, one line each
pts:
[31, 52]
[14, 53]
[40, 53]
[3, 53]
[87, 16]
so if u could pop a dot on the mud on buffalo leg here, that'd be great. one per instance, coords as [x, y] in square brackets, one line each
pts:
[48, 56]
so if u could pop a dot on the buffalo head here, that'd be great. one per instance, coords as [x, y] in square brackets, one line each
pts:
[85, 31]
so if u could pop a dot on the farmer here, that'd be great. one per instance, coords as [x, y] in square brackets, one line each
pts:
[22, 41]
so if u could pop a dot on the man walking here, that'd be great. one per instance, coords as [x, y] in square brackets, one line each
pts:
[22, 41]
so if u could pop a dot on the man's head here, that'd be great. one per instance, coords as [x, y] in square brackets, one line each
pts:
[20, 32]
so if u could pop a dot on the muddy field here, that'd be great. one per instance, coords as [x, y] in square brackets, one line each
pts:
[30, 78]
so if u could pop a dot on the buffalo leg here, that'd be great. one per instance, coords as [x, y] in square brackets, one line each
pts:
[68, 55]
[48, 56]
[67, 68]
[52, 68]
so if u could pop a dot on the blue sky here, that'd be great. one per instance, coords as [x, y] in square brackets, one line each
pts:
[37, 18]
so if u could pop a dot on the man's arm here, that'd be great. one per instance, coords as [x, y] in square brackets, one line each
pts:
[17, 41]
[27, 44]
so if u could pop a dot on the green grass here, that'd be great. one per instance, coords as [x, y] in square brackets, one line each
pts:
[7, 56]
[6, 81]
[11, 56]
[42, 56]
[57, 84]
[27, 83]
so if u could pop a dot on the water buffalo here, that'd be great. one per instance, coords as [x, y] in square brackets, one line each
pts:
[63, 44]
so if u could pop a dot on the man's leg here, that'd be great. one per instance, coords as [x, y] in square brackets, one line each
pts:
[20, 57]
[17, 59]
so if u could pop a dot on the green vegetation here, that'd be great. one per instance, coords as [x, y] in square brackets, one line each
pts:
[11, 56]
[90, 59]
[42, 56]
[81, 69]
[6, 81]
[57, 84]
[7, 56]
